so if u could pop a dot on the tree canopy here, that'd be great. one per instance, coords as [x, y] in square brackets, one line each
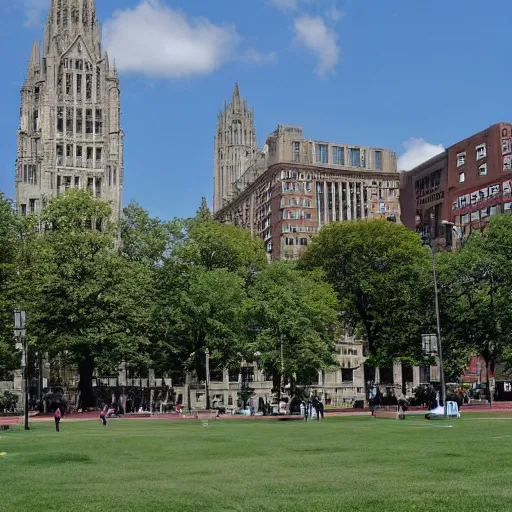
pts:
[380, 272]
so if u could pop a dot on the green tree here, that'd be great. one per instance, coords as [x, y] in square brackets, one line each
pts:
[200, 289]
[476, 300]
[212, 245]
[382, 276]
[9, 247]
[202, 315]
[292, 319]
[146, 239]
[89, 303]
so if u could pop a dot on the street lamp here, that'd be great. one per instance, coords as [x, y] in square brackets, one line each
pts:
[20, 332]
[428, 241]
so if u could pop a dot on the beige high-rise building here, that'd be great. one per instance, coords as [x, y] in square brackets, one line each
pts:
[236, 147]
[285, 192]
[69, 134]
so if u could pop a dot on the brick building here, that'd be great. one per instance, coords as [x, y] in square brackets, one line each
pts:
[465, 185]
[293, 186]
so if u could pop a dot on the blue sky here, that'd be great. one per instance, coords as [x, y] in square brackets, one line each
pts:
[405, 75]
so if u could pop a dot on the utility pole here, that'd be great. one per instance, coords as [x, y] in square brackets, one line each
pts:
[427, 240]
[282, 365]
[207, 381]
[438, 324]
[20, 332]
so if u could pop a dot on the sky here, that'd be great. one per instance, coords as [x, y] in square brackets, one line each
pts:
[410, 76]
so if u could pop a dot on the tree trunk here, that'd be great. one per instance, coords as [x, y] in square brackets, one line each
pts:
[86, 369]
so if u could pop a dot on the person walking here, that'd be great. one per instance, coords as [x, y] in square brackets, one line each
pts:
[305, 405]
[57, 417]
[103, 415]
[320, 409]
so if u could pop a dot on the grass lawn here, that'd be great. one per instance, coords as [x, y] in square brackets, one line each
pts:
[341, 464]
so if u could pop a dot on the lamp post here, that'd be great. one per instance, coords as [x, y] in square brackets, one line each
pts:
[207, 380]
[20, 331]
[428, 241]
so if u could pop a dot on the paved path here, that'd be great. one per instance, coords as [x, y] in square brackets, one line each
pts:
[90, 416]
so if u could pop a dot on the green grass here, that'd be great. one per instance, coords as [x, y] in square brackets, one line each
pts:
[346, 464]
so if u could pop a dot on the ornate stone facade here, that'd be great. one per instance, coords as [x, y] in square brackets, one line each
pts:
[69, 134]
[236, 147]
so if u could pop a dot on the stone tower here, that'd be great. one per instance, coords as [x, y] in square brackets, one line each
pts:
[235, 147]
[69, 133]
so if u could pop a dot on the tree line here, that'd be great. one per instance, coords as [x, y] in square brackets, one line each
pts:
[165, 295]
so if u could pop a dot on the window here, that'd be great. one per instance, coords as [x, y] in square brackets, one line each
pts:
[60, 154]
[69, 150]
[378, 159]
[35, 126]
[462, 177]
[355, 157]
[482, 170]
[23, 209]
[247, 373]
[88, 121]
[296, 151]
[79, 85]
[321, 153]
[481, 151]
[461, 159]
[289, 241]
[30, 174]
[69, 83]
[79, 156]
[79, 64]
[79, 121]
[303, 241]
[98, 83]
[60, 119]
[89, 154]
[338, 155]
[88, 86]
[99, 122]
[69, 121]
[32, 205]
[347, 375]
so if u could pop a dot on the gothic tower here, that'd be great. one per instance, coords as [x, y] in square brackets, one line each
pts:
[235, 147]
[69, 133]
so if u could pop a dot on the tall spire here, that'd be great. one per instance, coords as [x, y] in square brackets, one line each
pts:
[35, 59]
[235, 102]
[69, 18]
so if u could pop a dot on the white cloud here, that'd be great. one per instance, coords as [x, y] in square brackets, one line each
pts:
[159, 41]
[285, 5]
[34, 11]
[314, 34]
[335, 14]
[257, 57]
[417, 151]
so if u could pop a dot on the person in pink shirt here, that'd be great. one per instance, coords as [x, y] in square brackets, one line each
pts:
[57, 417]
[103, 415]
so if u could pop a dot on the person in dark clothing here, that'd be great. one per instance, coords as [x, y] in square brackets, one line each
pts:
[305, 404]
[320, 409]
[57, 417]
